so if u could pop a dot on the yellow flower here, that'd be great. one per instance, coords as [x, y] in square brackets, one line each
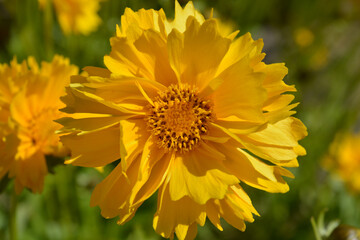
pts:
[76, 16]
[344, 159]
[191, 113]
[303, 37]
[29, 102]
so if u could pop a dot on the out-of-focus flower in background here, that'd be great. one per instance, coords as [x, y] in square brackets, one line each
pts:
[76, 16]
[191, 113]
[344, 160]
[29, 102]
[303, 37]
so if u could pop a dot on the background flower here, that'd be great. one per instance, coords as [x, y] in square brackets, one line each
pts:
[29, 102]
[344, 160]
[76, 16]
[189, 112]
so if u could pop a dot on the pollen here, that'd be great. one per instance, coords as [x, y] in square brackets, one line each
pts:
[178, 118]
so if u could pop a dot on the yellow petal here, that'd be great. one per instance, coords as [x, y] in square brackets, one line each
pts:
[158, 169]
[29, 173]
[87, 124]
[181, 16]
[154, 46]
[107, 195]
[122, 90]
[133, 189]
[172, 215]
[8, 148]
[142, 19]
[97, 71]
[241, 93]
[186, 232]
[273, 81]
[235, 208]
[27, 103]
[125, 58]
[213, 213]
[199, 176]
[85, 102]
[196, 54]
[278, 102]
[252, 171]
[299, 130]
[134, 135]
[277, 142]
[175, 46]
[244, 46]
[280, 114]
[279, 134]
[274, 153]
[239, 126]
[87, 148]
[150, 156]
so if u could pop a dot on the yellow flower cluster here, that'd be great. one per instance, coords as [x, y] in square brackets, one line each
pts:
[191, 112]
[29, 102]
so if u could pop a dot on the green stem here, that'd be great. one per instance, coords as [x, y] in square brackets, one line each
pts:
[48, 25]
[315, 228]
[13, 230]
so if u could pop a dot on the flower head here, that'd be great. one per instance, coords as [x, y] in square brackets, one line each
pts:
[191, 113]
[344, 159]
[29, 102]
[76, 16]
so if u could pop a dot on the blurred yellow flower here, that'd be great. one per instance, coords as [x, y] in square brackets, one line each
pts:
[76, 16]
[303, 37]
[191, 113]
[344, 160]
[29, 102]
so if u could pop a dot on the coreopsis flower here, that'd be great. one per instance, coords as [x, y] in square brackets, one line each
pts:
[29, 102]
[76, 16]
[191, 113]
[344, 160]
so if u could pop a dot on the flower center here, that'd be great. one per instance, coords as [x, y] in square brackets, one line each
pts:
[179, 118]
[39, 133]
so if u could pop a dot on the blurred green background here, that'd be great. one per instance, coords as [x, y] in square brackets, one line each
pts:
[319, 40]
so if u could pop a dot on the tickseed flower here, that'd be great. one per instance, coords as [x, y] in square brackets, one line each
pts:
[344, 160]
[76, 16]
[29, 102]
[191, 113]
